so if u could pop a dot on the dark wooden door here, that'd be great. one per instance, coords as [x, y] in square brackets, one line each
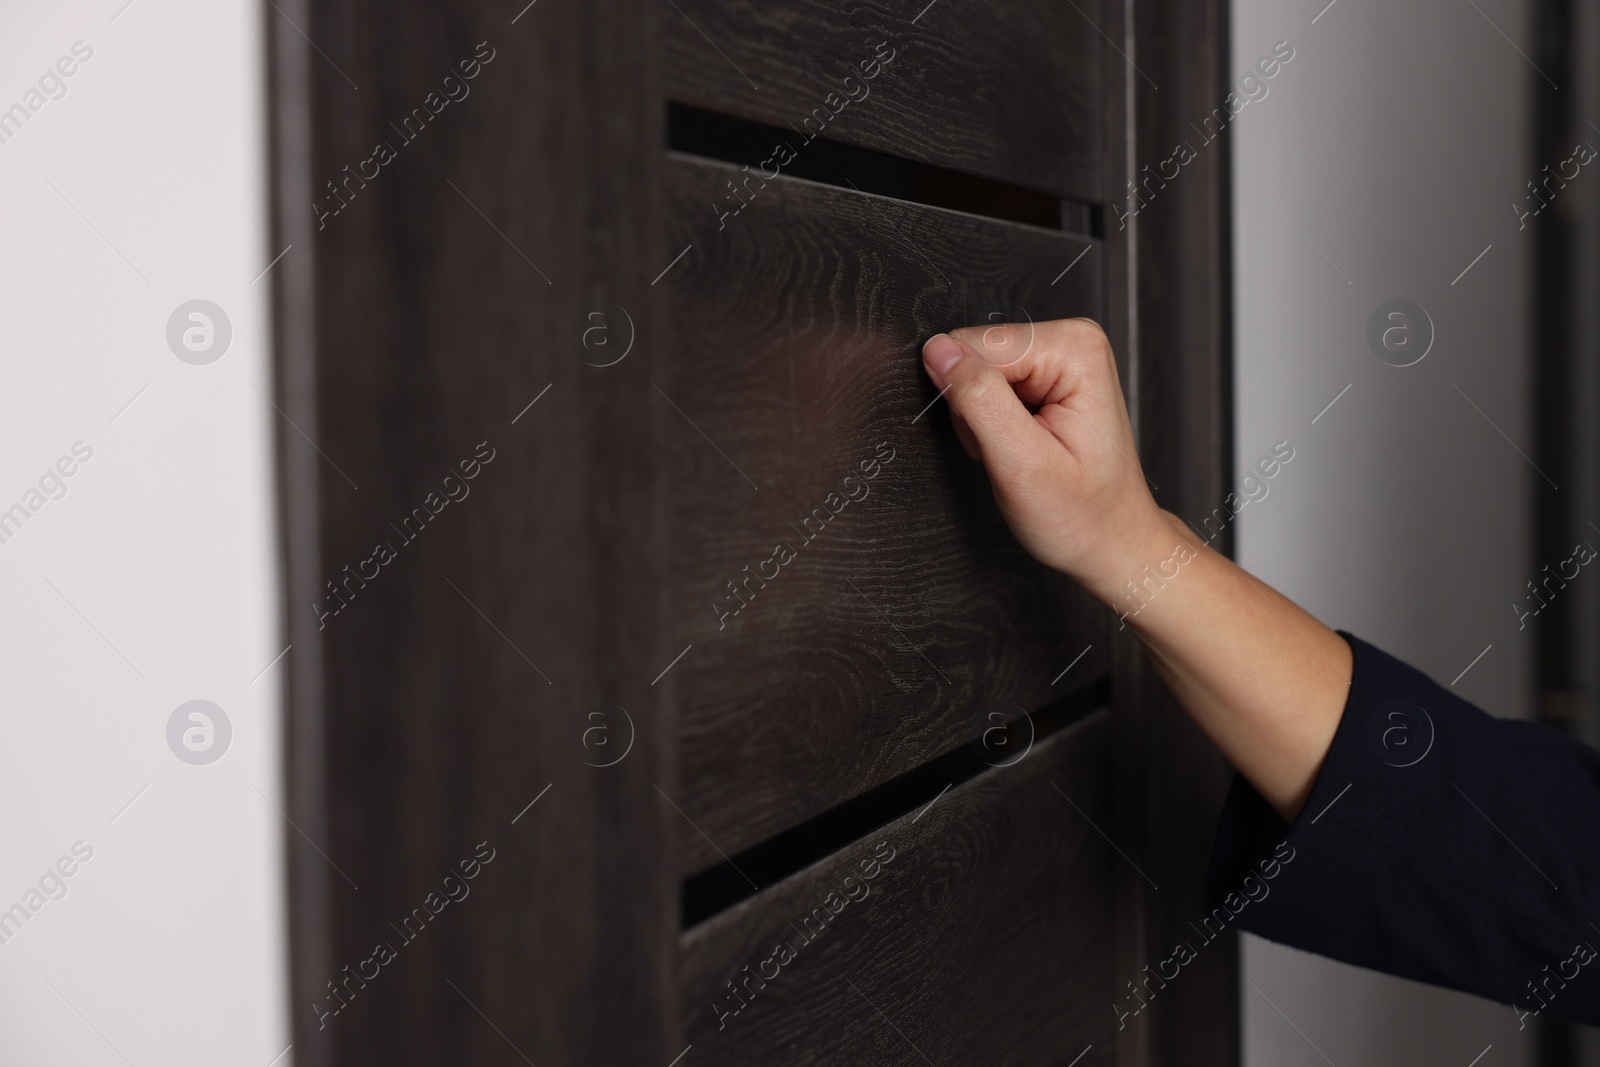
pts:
[665, 686]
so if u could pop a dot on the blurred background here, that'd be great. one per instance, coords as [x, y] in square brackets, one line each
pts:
[1400, 155]
[1392, 161]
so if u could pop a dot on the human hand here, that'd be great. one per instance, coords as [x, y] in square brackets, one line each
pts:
[1041, 406]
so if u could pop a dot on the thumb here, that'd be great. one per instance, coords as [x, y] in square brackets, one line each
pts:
[1008, 438]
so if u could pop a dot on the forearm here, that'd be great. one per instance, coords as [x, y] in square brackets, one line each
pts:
[1295, 707]
[1261, 677]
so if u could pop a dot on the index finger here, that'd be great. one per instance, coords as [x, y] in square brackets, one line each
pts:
[1045, 362]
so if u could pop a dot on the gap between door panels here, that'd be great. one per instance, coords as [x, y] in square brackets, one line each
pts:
[716, 889]
[712, 135]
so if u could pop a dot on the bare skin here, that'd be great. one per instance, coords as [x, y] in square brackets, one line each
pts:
[1040, 405]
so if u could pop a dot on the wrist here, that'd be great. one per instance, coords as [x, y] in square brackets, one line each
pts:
[1136, 560]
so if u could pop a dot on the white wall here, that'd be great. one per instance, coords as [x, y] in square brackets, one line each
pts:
[1395, 142]
[152, 582]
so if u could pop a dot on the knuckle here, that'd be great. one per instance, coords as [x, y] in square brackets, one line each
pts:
[998, 343]
[1089, 334]
[968, 335]
[977, 390]
[1083, 350]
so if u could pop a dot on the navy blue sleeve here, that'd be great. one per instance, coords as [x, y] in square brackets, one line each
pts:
[1439, 843]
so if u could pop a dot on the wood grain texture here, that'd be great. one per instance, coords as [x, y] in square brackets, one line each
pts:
[907, 613]
[782, 346]
[986, 938]
[455, 687]
[1012, 91]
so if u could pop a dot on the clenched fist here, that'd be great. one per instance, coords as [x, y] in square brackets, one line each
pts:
[1041, 406]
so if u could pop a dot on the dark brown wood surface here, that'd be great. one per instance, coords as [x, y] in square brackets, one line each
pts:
[456, 687]
[451, 691]
[1171, 780]
[986, 939]
[1013, 91]
[903, 615]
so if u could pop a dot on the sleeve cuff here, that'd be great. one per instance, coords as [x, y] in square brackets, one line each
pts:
[1438, 843]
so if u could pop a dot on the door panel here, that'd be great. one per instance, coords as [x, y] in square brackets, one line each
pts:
[1004, 873]
[1013, 91]
[807, 432]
